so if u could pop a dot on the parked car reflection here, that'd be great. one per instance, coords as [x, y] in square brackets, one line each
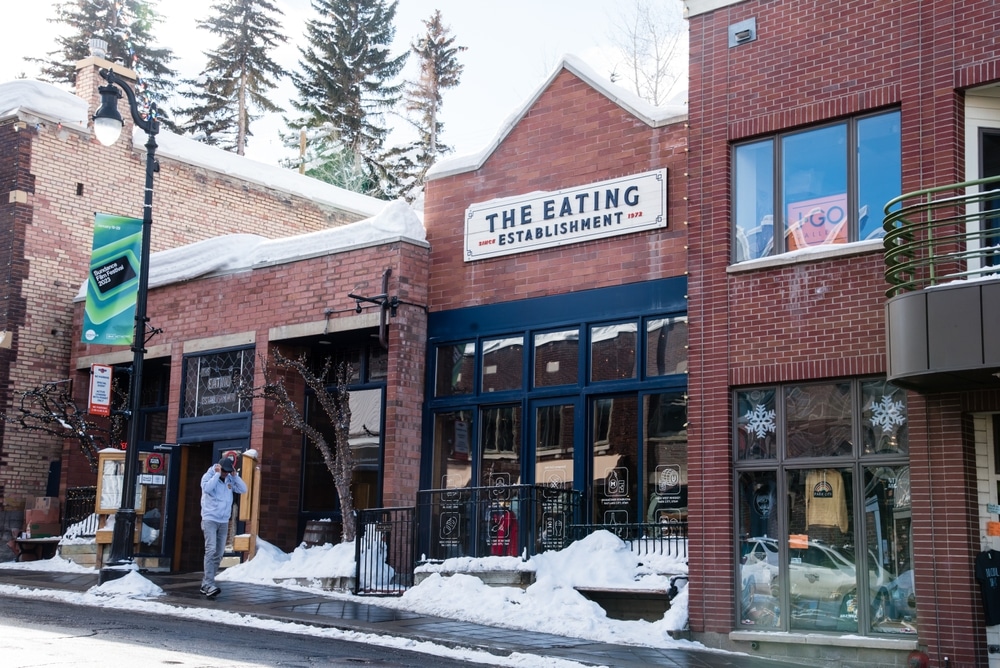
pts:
[822, 585]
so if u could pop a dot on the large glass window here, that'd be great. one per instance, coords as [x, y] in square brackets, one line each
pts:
[810, 459]
[824, 185]
[665, 457]
[666, 346]
[503, 364]
[613, 351]
[454, 369]
[557, 358]
[212, 383]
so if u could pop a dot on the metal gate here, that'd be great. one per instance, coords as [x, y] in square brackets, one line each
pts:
[384, 551]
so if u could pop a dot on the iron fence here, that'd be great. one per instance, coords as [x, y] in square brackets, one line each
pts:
[667, 538]
[502, 520]
[79, 516]
[384, 551]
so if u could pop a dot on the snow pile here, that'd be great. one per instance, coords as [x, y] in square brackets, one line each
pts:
[131, 584]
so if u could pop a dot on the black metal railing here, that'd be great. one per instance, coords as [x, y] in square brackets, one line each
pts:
[384, 555]
[668, 538]
[507, 520]
[79, 517]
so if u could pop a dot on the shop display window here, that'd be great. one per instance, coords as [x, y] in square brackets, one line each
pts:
[802, 563]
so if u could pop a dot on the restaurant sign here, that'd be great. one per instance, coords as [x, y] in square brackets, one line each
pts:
[547, 219]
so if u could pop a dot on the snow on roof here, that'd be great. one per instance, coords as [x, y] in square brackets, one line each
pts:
[651, 115]
[43, 100]
[239, 252]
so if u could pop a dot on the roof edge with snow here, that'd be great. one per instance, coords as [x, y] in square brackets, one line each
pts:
[651, 115]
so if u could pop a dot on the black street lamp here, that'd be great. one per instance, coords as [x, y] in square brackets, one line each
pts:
[107, 128]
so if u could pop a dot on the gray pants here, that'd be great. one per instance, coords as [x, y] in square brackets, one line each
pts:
[216, 534]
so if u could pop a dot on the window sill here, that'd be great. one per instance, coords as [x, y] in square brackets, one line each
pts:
[811, 254]
[866, 642]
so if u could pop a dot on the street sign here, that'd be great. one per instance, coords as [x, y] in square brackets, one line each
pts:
[100, 390]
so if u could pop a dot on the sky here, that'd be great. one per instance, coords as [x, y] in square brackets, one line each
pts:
[549, 605]
[512, 47]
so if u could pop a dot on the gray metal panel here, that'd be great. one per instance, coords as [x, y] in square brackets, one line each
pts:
[906, 324]
[991, 323]
[955, 328]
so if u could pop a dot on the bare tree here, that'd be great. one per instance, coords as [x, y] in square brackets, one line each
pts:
[337, 406]
[50, 409]
[651, 38]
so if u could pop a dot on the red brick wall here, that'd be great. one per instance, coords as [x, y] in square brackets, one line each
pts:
[814, 61]
[67, 176]
[572, 135]
[289, 294]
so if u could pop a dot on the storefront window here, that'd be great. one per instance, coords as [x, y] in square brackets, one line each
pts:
[799, 549]
[665, 457]
[500, 434]
[884, 420]
[666, 346]
[614, 443]
[760, 568]
[613, 351]
[503, 364]
[557, 358]
[819, 420]
[554, 446]
[452, 447]
[891, 596]
[213, 383]
[756, 424]
[455, 369]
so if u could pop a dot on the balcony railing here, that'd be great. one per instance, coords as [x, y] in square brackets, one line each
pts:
[942, 234]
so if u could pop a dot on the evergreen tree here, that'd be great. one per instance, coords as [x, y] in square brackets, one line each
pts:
[126, 26]
[238, 75]
[345, 80]
[439, 70]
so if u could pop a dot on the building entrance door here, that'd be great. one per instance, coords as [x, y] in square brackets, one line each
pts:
[196, 458]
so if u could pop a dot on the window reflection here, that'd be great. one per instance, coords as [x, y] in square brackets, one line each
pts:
[503, 364]
[612, 351]
[454, 370]
[760, 561]
[557, 358]
[819, 420]
[666, 346]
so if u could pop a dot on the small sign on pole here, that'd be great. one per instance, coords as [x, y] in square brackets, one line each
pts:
[100, 390]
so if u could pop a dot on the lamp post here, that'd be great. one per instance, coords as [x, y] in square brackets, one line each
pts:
[107, 128]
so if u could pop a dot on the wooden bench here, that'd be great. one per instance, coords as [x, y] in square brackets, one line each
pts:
[38, 548]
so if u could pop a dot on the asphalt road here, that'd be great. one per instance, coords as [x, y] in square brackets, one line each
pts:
[53, 634]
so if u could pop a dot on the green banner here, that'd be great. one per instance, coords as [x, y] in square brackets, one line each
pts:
[113, 282]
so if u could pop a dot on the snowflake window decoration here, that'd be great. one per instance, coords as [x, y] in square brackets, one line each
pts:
[887, 414]
[760, 421]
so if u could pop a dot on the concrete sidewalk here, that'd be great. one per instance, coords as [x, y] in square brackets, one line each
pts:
[366, 616]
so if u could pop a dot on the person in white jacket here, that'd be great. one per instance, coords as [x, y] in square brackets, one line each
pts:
[218, 485]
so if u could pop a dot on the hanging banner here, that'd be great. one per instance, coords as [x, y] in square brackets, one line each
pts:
[109, 316]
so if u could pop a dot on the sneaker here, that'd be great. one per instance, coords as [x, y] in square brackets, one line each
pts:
[211, 591]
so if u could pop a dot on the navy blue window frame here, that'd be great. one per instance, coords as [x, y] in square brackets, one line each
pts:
[635, 302]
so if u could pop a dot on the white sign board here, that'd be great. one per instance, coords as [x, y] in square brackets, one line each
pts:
[544, 220]
[100, 390]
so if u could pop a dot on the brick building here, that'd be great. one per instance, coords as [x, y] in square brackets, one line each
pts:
[841, 425]
[682, 314]
[55, 177]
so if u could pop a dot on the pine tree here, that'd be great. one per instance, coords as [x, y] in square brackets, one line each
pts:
[345, 83]
[238, 75]
[126, 26]
[439, 70]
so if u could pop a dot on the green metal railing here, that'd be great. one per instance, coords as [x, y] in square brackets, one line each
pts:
[942, 234]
